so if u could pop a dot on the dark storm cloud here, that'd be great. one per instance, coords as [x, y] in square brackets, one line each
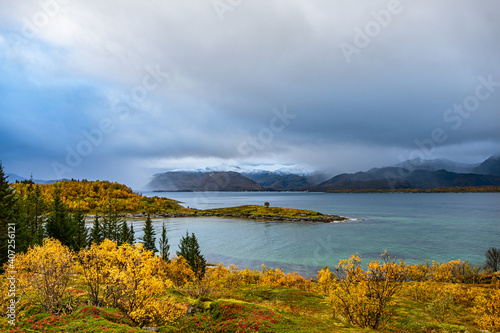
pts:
[367, 83]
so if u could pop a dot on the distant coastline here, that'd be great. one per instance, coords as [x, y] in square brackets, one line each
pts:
[459, 189]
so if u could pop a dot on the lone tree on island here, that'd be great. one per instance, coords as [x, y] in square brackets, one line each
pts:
[266, 204]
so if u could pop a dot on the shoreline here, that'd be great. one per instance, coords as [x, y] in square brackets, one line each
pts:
[319, 219]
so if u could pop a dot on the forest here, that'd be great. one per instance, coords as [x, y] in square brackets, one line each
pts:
[59, 275]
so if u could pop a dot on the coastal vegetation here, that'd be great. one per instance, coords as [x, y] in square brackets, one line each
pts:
[66, 277]
[126, 288]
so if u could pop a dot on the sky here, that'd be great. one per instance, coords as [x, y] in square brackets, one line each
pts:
[121, 90]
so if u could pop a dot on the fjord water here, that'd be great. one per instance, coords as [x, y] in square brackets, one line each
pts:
[410, 226]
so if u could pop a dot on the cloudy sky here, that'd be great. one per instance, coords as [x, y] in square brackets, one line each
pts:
[121, 90]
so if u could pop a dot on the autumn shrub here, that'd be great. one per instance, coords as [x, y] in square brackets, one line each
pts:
[277, 278]
[179, 271]
[223, 277]
[128, 278]
[362, 297]
[424, 291]
[487, 309]
[455, 271]
[44, 274]
[325, 279]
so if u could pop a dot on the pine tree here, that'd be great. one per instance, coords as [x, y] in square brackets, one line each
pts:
[8, 203]
[111, 225]
[131, 240]
[59, 223]
[149, 238]
[124, 233]
[81, 233]
[95, 235]
[35, 209]
[164, 247]
[190, 250]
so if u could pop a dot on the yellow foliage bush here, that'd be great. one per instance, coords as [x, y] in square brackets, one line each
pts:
[276, 278]
[179, 271]
[222, 277]
[362, 297]
[44, 273]
[487, 308]
[423, 291]
[129, 278]
[325, 279]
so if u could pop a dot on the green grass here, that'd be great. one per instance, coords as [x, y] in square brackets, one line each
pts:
[250, 308]
[262, 212]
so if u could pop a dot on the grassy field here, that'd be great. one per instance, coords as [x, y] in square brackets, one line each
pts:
[261, 307]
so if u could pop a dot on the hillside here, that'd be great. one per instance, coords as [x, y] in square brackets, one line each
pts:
[396, 178]
[202, 182]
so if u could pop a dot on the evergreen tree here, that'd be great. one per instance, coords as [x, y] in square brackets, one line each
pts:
[125, 233]
[164, 247]
[149, 239]
[35, 207]
[95, 235]
[131, 240]
[81, 233]
[190, 250]
[111, 225]
[59, 223]
[8, 203]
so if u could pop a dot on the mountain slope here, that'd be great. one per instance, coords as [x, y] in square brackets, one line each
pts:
[489, 167]
[202, 182]
[397, 178]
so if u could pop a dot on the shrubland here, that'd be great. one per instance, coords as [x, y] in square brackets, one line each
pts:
[125, 287]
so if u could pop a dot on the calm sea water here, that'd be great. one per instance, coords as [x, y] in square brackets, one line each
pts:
[410, 226]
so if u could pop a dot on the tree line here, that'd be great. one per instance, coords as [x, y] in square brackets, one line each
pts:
[35, 218]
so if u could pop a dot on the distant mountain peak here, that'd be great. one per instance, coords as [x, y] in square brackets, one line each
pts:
[300, 170]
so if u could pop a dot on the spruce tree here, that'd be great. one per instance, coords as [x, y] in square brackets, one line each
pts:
[59, 223]
[81, 233]
[8, 203]
[190, 250]
[164, 247]
[131, 240]
[95, 235]
[124, 233]
[34, 209]
[111, 225]
[149, 239]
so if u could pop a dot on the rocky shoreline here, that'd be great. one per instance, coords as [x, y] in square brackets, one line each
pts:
[323, 218]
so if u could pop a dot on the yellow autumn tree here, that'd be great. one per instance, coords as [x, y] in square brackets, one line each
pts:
[487, 309]
[129, 278]
[362, 297]
[44, 274]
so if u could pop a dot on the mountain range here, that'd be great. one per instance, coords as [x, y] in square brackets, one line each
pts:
[412, 174]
